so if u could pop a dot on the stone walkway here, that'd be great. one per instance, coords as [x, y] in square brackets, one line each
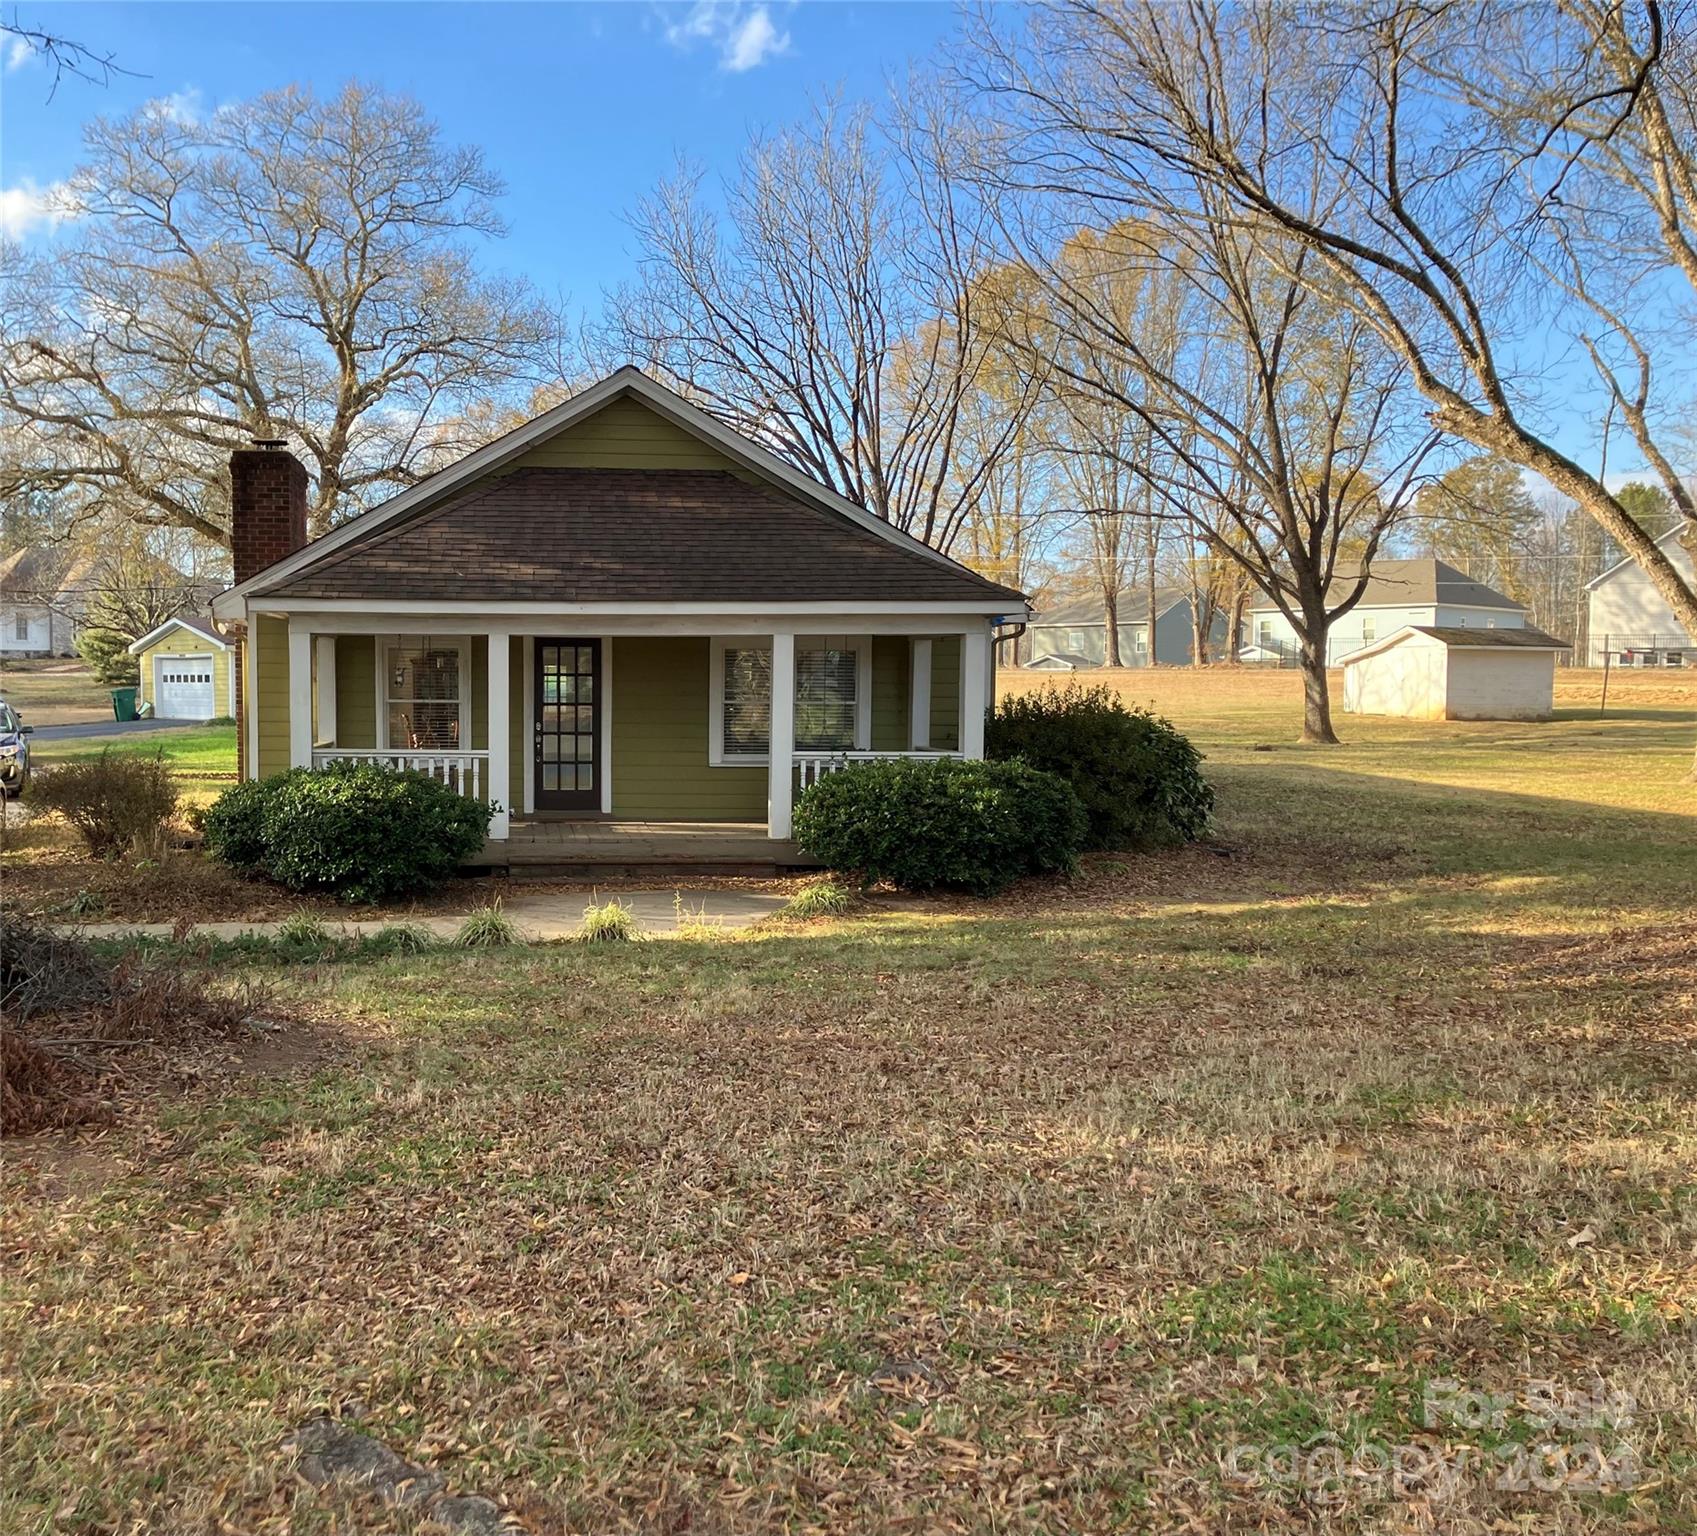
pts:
[538, 915]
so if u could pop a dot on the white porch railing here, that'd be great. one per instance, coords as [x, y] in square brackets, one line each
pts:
[462, 771]
[813, 766]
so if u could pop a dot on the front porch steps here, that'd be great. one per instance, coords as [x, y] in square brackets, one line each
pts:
[595, 848]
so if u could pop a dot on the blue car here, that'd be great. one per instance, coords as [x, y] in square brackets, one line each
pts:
[14, 752]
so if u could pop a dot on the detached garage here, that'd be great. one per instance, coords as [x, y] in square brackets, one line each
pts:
[1439, 672]
[185, 669]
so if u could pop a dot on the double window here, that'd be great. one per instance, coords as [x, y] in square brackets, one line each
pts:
[833, 697]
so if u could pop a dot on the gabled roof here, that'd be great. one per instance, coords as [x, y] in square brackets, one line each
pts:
[1461, 637]
[1413, 583]
[1132, 608]
[194, 623]
[574, 536]
[1620, 565]
[457, 483]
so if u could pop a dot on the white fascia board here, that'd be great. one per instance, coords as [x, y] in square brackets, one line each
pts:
[493, 610]
[1621, 565]
[626, 381]
[1396, 637]
[166, 628]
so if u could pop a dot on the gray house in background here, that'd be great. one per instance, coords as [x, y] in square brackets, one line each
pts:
[1075, 634]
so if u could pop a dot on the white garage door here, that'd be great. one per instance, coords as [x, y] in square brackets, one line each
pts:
[182, 687]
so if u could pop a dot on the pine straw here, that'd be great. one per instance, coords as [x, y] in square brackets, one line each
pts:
[68, 1014]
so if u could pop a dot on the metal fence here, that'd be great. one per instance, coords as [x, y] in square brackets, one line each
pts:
[1669, 648]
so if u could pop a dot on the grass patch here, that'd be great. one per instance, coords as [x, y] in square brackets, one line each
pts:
[819, 898]
[607, 922]
[1006, 1215]
[486, 927]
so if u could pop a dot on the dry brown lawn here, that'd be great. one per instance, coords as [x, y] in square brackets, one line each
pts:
[1147, 1201]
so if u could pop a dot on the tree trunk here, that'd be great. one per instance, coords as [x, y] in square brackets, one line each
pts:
[1198, 634]
[1316, 694]
[1111, 613]
[1234, 628]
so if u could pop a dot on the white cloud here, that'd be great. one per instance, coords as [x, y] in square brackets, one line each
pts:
[27, 207]
[182, 106]
[743, 35]
[19, 54]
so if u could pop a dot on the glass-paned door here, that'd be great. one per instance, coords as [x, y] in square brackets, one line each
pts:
[567, 739]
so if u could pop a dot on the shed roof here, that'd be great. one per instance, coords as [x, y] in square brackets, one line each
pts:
[198, 623]
[1461, 637]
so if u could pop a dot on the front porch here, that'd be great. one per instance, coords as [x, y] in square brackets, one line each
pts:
[536, 846]
[676, 742]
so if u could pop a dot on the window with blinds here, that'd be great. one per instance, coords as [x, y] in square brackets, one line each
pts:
[825, 681]
[827, 697]
[747, 704]
[422, 681]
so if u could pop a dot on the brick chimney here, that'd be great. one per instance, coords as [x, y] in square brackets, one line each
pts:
[267, 505]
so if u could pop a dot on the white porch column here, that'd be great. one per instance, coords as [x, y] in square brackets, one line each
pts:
[974, 680]
[779, 773]
[300, 694]
[919, 693]
[324, 678]
[500, 734]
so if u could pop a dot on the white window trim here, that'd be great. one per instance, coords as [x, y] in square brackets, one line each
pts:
[461, 646]
[718, 757]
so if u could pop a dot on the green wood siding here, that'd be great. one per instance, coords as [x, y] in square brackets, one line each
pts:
[356, 691]
[625, 435]
[517, 746]
[660, 769]
[270, 692]
[185, 642]
[945, 693]
[892, 676]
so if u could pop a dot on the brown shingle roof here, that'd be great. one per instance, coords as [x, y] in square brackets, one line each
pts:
[631, 535]
[1523, 639]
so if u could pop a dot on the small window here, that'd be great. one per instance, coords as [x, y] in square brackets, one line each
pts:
[1369, 631]
[20, 627]
[424, 694]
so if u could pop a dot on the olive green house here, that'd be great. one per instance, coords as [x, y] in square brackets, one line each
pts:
[621, 612]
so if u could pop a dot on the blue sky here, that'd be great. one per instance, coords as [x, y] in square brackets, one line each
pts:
[582, 108]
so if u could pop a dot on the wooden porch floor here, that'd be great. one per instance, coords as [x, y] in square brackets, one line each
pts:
[641, 847]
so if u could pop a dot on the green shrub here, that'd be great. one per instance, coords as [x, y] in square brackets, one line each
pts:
[818, 898]
[108, 656]
[924, 824]
[396, 939]
[117, 801]
[1139, 779]
[234, 824]
[360, 831]
[302, 930]
[612, 922]
[487, 928]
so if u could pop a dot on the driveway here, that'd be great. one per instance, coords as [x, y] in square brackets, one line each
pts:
[93, 729]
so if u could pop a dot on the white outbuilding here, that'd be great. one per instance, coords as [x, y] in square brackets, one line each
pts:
[1444, 672]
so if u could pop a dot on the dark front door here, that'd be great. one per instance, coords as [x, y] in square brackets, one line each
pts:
[567, 740]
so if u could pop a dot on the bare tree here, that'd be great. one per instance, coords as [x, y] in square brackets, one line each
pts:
[842, 310]
[1276, 429]
[63, 55]
[1442, 172]
[289, 266]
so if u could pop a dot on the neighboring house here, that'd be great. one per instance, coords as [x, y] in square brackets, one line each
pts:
[1075, 635]
[1434, 672]
[1632, 621]
[187, 670]
[622, 609]
[1398, 593]
[44, 590]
